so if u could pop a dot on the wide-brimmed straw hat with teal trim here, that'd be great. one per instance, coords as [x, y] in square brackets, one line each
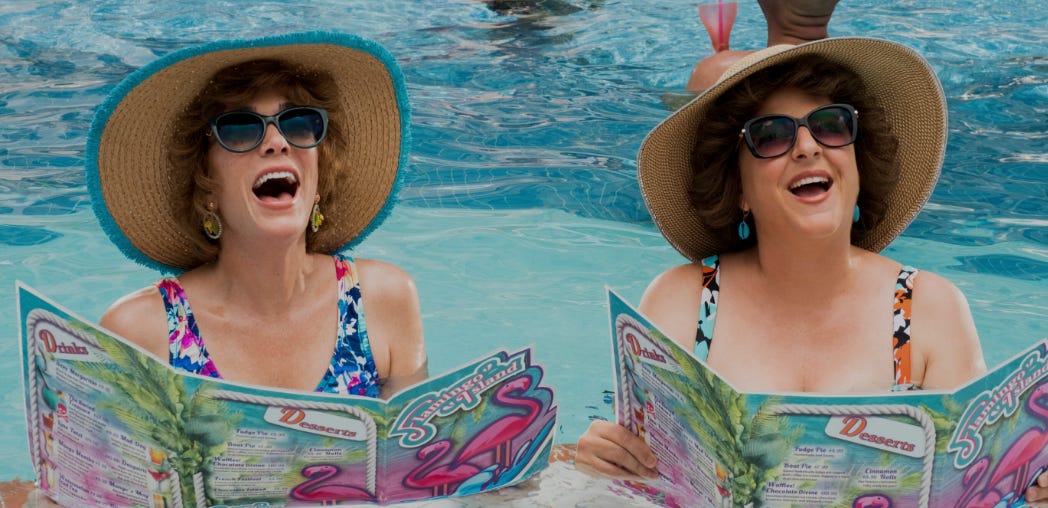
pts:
[898, 78]
[133, 186]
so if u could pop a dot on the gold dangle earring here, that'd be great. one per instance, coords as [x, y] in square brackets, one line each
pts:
[212, 222]
[315, 217]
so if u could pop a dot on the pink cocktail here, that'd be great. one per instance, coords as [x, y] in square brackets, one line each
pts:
[718, 19]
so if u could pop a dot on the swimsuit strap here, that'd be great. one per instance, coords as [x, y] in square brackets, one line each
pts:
[185, 346]
[901, 328]
[708, 307]
[352, 369]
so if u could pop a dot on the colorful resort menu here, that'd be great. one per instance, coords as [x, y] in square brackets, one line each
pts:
[978, 446]
[110, 425]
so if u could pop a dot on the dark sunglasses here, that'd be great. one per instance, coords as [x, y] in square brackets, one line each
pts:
[769, 136]
[241, 131]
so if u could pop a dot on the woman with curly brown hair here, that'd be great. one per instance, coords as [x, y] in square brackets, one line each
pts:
[246, 168]
[781, 184]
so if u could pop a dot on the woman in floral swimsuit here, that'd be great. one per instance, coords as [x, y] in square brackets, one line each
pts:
[246, 167]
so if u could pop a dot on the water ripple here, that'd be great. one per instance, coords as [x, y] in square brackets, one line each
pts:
[521, 109]
[1009, 266]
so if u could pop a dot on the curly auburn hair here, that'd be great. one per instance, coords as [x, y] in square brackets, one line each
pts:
[231, 88]
[716, 182]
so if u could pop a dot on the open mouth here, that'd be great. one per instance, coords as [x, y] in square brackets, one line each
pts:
[276, 185]
[811, 186]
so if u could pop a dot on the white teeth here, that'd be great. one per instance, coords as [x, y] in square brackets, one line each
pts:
[809, 180]
[274, 176]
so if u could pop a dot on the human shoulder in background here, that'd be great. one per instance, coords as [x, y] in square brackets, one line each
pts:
[789, 22]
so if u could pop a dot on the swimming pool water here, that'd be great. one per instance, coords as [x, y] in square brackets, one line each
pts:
[521, 201]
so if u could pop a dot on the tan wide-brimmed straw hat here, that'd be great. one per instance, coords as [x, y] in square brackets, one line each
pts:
[133, 187]
[902, 83]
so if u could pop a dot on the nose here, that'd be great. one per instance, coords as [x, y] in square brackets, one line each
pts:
[805, 145]
[273, 141]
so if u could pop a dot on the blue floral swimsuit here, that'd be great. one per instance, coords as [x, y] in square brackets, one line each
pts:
[900, 326]
[352, 370]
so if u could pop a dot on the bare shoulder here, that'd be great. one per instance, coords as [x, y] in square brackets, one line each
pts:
[708, 70]
[394, 323]
[672, 301]
[938, 297]
[385, 281]
[671, 282]
[943, 333]
[140, 318]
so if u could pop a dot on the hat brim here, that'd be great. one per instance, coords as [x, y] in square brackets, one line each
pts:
[132, 184]
[900, 80]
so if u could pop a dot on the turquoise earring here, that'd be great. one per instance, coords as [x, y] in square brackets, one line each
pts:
[744, 228]
[855, 215]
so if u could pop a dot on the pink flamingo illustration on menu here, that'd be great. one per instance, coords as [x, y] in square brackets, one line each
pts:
[872, 501]
[442, 479]
[972, 476]
[316, 490]
[1015, 462]
[498, 436]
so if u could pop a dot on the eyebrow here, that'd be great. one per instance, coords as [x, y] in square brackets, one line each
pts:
[281, 107]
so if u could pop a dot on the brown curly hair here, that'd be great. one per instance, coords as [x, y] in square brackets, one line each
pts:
[716, 181]
[232, 88]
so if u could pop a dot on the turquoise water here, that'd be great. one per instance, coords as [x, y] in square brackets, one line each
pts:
[521, 201]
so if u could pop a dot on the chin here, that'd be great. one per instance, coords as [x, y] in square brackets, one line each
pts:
[825, 227]
[283, 232]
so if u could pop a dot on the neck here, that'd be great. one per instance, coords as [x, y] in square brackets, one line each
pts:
[804, 269]
[796, 24]
[267, 276]
[796, 34]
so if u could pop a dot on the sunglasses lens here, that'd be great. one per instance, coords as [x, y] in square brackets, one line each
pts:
[239, 131]
[772, 136]
[302, 127]
[832, 126]
[242, 131]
